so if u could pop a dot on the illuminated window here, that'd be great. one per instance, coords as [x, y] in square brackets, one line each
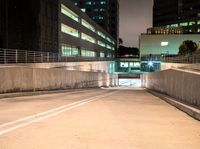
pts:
[87, 53]
[102, 9]
[101, 43]
[109, 55]
[113, 42]
[198, 22]
[68, 50]
[83, 9]
[103, 2]
[184, 24]
[109, 47]
[174, 25]
[192, 23]
[66, 11]
[87, 38]
[98, 17]
[74, 51]
[101, 34]
[163, 44]
[109, 39]
[88, 3]
[87, 25]
[102, 55]
[69, 30]
[124, 64]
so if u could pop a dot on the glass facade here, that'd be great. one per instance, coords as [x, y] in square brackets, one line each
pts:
[184, 24]
[100, 43]
[87, 53]
[109, 39]
[102, 55]
[101, 34]
[68, 50]
[87, 38]
[69, 30]
[88, 25]
[66, 11]
[109, 47]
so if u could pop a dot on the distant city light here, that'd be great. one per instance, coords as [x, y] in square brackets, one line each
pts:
[164, 44]
[150, 63]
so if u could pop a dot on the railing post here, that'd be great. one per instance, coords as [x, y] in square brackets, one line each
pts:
[48, 56]
[26, 57]
[34, 57]
[53, 57]
[16, 56]
[4, 56]
[41, 57]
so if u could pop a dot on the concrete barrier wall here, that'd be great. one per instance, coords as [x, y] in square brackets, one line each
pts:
[94, 66]
[165, 66]
[14, 79]
[182, 85]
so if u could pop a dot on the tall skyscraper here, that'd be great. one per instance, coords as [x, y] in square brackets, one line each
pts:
[177, 13]
[104, 12]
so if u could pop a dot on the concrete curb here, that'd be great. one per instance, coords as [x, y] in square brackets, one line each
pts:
[191, 111]
[22, 94]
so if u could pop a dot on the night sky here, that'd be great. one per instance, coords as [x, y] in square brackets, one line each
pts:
[135, 18]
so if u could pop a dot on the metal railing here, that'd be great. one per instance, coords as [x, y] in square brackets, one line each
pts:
[8, 56]
[189, 59]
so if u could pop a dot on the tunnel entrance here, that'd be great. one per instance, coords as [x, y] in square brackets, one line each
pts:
[130, 82]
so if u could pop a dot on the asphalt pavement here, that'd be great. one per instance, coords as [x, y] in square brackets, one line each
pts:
[117, 118]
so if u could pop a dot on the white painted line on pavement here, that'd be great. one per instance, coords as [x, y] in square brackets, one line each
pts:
[43, 113]
[61, 110]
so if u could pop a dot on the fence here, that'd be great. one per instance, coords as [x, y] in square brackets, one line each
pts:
[190, 59]
[23, 56]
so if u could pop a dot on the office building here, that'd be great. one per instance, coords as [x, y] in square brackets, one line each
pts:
[104, 12]
[165, 30]
[164, 44]
[178, 13]
[53, 26]
[29, 25]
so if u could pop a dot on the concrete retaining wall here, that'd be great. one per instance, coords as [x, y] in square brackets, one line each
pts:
[165, 66]
[182, 85]
[14, 79]
[94, 66]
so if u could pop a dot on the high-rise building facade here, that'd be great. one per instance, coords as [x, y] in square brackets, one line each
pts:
[29, 25]
[53, 26]
[104, 12]
[177, 13]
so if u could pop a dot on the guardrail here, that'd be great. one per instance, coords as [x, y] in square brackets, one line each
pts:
[8, 56]
[190, 59]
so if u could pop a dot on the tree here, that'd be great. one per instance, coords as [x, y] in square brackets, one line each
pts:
[188, 47]
[182, 49]
[120, 41]
[128, 52]
[198, 48]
